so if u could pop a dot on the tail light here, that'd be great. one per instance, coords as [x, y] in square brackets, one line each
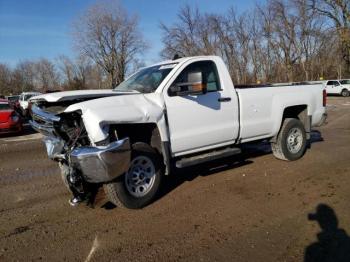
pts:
[324, 97]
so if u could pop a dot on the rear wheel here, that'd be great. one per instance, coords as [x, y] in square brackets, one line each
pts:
[139, 186]
[345, 92]
[291, 140]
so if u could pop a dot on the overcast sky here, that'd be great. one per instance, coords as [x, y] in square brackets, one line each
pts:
[30, 29]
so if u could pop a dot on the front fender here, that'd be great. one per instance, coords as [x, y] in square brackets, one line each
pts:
[98, 114]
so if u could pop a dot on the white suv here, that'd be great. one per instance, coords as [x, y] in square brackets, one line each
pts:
[23, 100]
[336, 87]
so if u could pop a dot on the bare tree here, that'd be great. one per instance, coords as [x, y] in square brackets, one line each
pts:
[97, 78]
[109, 36]
[5, 79]
[46, 76]
[24, 76]
[282, 40]
[67, 67]
[192, 35]
[75, 72]
[338, 11]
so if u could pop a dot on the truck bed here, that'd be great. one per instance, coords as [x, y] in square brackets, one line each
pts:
[261, 106]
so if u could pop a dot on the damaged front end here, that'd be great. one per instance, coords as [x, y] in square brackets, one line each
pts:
[84, 166]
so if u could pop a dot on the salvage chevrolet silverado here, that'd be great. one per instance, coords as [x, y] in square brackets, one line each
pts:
[172, 114]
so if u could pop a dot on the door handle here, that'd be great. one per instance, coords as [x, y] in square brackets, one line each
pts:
[224, 99]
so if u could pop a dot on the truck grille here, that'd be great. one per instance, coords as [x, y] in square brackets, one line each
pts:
[43, 122]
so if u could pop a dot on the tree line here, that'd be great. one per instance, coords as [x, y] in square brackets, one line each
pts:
[278, 41]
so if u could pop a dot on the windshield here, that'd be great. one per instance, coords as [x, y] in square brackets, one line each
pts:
[13, 98]
[146, 80]
[4, 106]
[345, 82]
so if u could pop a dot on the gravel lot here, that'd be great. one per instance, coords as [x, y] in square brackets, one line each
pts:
[229, 210]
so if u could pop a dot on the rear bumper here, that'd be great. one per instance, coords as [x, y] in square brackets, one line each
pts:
[96, 164]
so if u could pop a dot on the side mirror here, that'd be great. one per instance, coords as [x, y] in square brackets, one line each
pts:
[194, 86]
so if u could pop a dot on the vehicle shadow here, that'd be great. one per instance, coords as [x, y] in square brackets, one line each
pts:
[249, 152]
[333, 243]
[180, 176]
[316, 136]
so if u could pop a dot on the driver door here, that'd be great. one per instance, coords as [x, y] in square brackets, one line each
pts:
[200, 120]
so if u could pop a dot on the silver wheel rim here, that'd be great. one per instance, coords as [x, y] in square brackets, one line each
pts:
[140, 177]
[294, 140]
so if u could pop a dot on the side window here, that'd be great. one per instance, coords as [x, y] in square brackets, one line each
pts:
[333, 83]
[210, 77]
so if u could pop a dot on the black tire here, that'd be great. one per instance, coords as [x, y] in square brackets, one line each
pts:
[281, 149]
[345, 93]
[118, 192]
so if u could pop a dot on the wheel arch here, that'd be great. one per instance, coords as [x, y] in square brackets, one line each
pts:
[149, 133]
[299, 112]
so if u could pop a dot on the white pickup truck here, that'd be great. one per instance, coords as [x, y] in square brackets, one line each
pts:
[173, 114]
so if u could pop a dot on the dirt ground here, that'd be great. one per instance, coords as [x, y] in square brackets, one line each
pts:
[230, 210]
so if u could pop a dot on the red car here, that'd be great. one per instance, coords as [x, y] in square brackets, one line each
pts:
[10, 120]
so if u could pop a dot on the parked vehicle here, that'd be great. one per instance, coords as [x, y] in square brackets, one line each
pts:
[175, 113]
[14, 101]
[335, 87]
[23, 101]
[345, 83]
[10, 120]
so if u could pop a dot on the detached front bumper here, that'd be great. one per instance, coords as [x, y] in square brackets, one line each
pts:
[97, 164]
[103, 163]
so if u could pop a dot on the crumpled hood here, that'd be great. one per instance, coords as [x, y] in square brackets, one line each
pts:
[97, 114]
[76, 94]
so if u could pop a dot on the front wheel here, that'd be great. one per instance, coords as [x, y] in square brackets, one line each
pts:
[139, 186]
[345, 93]
[291, 140]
